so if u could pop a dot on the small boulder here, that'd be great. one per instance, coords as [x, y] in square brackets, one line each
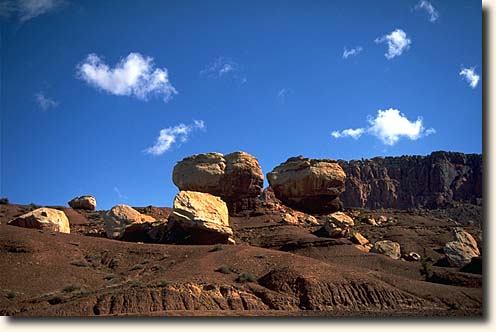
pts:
[359, 239]
[460, 252]
[299, 218]
[368, 220]
[85, 202]
[43, 218]
[412, 257]
[309, 185]
[120, 217]
[381, 220]
[203, 217]
[338, 224]
[387, 248]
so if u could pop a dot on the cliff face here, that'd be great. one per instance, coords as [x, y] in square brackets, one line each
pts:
[434, 181]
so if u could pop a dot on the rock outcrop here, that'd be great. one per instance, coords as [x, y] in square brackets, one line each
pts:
[236, 177]
[338, 224]
[202, 217]
[434, 181]
[117, 219]
[460, 252]
[309, 185]
[387, 248]
[85, 202]
[43, 218]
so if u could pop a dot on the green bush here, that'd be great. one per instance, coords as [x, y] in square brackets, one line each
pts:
[71, 288]
[216, 247]
[11, 295]
[246, 277]
[137, 267]
[223, 269]
[79, 263]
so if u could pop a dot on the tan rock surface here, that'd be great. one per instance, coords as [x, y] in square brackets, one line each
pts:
[339, 224]
[309, 185]
[387, 248]
[85, 202]
[44, 218]
[232, 177]
[203, 215]
[121, 216]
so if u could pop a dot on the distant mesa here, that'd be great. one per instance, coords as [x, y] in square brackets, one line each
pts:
[309, 185]
[236, 177]
[43, 218]
[85, 202]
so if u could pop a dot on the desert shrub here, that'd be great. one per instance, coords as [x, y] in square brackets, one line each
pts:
[216, 247]
[71, 288]
[160, 283]
[246, 277]
[145, 261]
[137, 267]
[33, 206]
[111, 276]
[223, 269]
[4, 201]
[426, 263]
[11, 295]
[259, 255]
[135, 283]
[114, 263]
[158, 268]
[79, 263]
[55, 299]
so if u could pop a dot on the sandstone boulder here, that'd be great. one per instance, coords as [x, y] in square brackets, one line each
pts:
[44, 218]
[203, 217]
[85, 202]
[297, 218]
[232, 177]
[387, 248]
[359, 239]
[338, 224]
[460, 252]
[309, 185]
[120, 217]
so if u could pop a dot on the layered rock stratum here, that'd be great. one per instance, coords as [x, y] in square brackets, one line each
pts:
[438, 180]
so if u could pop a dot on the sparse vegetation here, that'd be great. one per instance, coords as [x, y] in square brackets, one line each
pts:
[223, 269]
[32, 207]
[4, 201]
[160, 283]
[111, 277]
[260, 255]
[11, 295]
[426, 269]
[216, 247]
[137, 267]
[79, 263]
[114, 263]
[246, 277]
[72, 288]
[158, 268]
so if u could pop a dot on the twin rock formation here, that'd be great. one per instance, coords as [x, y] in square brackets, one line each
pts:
[211, 185]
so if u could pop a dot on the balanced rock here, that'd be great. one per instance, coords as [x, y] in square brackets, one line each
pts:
[120, 217]
[232, 177]
[85, 202]
[338, 224]
[460, 252]
[309, 185]
[203, 217]
[43, 218]
[387, 248]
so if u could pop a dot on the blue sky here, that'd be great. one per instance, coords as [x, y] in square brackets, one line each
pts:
[103, 99]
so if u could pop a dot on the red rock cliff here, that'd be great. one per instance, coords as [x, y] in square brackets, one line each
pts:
[437, 180]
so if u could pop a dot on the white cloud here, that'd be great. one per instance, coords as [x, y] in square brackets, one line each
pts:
[353, 133]
[283, 94]
[171, 135]
[44, 102]
[135, 75]
[397, 42]
[351, 52]
[224, 67]
[470, 76]
[119, 194]
[28, 9]
[389, 126]
[429, 8]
